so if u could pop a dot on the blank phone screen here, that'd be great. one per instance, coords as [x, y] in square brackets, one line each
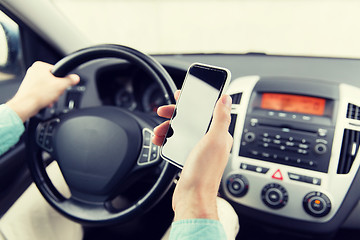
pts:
[193, 113]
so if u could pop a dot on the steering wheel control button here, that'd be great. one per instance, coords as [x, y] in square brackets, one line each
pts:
[147, 137]
[277, 175]
[237, 185]
[44, 134]
[41, 134]
[154, 154]
[149, 152]
[317, 204]
[144, 155]
[254, 168]
[274, 196]
[48, 143]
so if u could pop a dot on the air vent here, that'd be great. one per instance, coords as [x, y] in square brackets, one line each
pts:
[232, 124]
[349, 150]
[353, 112]
[236, 98]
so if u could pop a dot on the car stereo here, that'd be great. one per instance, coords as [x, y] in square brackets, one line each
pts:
[291, 129]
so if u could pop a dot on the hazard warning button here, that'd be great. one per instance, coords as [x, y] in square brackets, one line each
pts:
[277, 175]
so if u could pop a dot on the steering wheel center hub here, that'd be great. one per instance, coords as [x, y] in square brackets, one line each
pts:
[96, 147]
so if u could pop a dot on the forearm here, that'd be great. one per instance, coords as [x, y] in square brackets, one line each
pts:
[11, 128]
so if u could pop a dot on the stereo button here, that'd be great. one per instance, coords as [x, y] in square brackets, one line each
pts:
[282, 115]
[322, 132]
[312, 163]
[302, 151]
[320, 148]
[249, 137]
[304, 146]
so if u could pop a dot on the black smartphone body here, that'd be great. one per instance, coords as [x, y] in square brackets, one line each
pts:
[202, 87]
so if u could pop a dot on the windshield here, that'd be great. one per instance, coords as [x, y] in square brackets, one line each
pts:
[328, 28]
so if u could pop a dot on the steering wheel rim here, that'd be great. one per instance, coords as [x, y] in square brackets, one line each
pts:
[85, 211]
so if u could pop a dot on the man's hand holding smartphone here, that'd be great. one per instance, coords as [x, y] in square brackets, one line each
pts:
[196, 191]
[202, 87]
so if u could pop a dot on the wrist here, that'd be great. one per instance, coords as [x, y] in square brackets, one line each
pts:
[24, 108]
[195, 206]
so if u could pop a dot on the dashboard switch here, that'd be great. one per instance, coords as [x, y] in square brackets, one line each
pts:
[237, 185]
[317, 204]
[277, 175]
[274, 196]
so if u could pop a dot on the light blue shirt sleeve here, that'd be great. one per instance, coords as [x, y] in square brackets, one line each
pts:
[199, 229]
[11, 128]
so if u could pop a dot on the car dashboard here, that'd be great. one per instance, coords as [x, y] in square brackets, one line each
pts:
[296, 129]
[294, 152]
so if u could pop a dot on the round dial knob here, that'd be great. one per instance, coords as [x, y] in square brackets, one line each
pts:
[237, 185]
[274, 195]
[320, 148]
[317, 204]
[249, 137]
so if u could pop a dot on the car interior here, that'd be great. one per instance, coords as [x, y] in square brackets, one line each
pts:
[293, 170]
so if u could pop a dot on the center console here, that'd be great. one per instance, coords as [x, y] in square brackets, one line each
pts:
[295, 148]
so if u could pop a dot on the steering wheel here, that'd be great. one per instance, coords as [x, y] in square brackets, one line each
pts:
[99, 148]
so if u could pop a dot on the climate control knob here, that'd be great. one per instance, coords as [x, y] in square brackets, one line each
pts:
[274, 195]
[317, 204]
[237, 185]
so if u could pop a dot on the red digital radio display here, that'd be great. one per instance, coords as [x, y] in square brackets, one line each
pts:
[293, 103]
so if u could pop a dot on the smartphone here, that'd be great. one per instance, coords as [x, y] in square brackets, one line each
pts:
[202, 87]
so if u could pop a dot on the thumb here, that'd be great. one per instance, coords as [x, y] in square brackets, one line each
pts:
[221, 116]
[73, 79]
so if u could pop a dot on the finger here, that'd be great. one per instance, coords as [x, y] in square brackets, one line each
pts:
[177, 94]
[40, 64]
[161, 130]
[70, 80]
[166, 111]
[158, 140]
[74, 79]
[65, 82]
[221, 116]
